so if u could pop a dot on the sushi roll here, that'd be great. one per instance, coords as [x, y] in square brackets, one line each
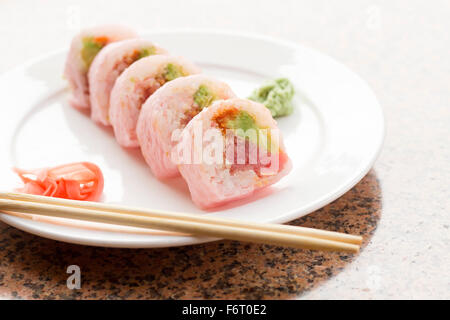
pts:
[169, 109]
[83, 49]
[241, 151]
[106, 68]
[135, 85]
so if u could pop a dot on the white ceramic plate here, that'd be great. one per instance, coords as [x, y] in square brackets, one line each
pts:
[333, 137]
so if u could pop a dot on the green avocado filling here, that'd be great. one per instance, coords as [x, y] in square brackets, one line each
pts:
[145, 52]
[203, 97]
[90, 50]
[172, 72]
[276, 95]
[242, 122]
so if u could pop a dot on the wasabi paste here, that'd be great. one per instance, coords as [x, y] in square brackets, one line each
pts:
[276, 95]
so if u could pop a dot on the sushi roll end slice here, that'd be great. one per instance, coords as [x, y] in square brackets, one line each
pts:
[84, 48]
[241, 151]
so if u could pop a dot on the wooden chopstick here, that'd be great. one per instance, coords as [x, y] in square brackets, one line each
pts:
[87, 225]
[184, 226]
[286, 229]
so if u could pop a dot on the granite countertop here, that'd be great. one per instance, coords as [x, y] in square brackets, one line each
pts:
[401, 207]
[34, 267]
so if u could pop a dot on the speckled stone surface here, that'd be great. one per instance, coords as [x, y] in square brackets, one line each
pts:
[35, 268]
[400, 47]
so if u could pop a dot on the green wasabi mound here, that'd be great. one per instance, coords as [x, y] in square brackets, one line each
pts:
[276, 95]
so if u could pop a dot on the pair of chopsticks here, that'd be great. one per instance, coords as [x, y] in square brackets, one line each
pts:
[193, 224]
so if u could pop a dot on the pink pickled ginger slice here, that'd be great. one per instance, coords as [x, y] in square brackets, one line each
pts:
[76, 181]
